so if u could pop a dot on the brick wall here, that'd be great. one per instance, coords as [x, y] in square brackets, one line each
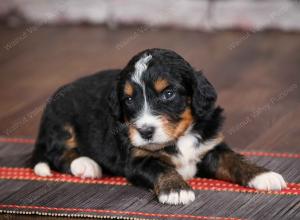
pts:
[251, 15]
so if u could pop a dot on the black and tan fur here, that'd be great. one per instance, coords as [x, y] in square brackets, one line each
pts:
[98, 117]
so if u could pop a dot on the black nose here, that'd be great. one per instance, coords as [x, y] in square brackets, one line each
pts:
[146, 132]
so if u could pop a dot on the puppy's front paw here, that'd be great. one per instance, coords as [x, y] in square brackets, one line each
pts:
[177, 197]
[268, 181]
[85, 167]
[172, 189]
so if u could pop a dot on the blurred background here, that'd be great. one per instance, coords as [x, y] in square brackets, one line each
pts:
[248, 49]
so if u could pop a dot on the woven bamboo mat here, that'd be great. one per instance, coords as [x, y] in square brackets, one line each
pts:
[21, 192]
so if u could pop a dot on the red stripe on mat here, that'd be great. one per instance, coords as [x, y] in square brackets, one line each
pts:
[17, 140]
[270, 154]
[43, 208]
[196, 183]
[246, 153]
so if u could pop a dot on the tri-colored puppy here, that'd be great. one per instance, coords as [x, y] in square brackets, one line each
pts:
[154, 122]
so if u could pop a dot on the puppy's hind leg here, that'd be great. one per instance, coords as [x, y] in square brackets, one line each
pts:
[56, 148]
[70, 162]
[78, 165]
[42, 169]
[86, 167]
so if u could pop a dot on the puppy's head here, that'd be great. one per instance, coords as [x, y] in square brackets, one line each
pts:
[160, 96]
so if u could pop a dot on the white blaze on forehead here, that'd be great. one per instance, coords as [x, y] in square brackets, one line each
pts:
[140, 66]
[145, 117]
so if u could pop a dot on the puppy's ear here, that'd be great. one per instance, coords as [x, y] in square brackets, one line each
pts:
[204, 95]
[114, 102]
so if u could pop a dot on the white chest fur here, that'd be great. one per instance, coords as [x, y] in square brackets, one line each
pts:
[190, 152]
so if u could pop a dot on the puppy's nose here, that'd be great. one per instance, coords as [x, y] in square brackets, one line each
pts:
[146, 132]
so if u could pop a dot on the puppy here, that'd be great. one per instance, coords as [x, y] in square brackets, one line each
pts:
[154, 122]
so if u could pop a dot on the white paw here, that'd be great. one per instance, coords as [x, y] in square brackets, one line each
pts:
[85, 167]
[177, 198]
[42, 169]
[268, 181]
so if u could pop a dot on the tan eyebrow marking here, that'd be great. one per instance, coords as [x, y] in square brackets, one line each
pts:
[128, 89]
[160, 84]
[71, 142]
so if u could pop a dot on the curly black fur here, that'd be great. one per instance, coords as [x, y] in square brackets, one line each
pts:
[95, 107]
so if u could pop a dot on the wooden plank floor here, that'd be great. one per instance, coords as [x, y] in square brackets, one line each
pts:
[257, 81]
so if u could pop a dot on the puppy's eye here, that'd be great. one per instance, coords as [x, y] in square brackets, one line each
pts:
[129, 100]
[168, 94]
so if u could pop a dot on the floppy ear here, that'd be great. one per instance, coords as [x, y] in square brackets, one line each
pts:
[114, 104]
[204, 95]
